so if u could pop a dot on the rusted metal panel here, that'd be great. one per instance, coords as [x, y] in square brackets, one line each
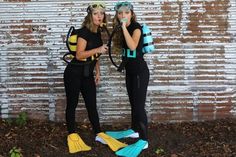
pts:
[193, 69]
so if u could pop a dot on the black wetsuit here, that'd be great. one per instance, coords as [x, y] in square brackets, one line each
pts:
[81, 79]
[137, 78]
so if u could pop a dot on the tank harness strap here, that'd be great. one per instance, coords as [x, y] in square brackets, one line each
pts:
[147, 34]
[149, 43]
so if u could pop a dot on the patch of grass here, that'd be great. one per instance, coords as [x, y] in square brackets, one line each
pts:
[21, 120]
[160, 151]
[15, 152]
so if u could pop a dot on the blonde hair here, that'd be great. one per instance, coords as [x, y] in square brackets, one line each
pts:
[88, 21]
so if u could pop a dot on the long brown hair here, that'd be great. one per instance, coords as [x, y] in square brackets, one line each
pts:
[118, 38]
[88, 21]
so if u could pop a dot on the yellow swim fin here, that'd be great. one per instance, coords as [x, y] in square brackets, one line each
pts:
[111, 142]
[76, 144]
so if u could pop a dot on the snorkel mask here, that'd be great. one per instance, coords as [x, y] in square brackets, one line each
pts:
[123, 5]
[96, 5]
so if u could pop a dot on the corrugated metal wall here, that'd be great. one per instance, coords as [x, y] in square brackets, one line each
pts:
[193, 69]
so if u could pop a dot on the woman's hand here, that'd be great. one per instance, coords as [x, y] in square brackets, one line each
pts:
[97, 78]
[103, 49]
[124, 22]
[131, 41]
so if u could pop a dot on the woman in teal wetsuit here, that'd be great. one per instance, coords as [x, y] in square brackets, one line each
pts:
[137, 78]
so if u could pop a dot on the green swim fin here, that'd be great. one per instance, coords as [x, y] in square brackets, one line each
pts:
[123, 134]
[133, 150]
[76, 144]
[111, 142]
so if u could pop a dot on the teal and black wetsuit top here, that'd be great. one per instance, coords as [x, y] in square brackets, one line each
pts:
[135, 61]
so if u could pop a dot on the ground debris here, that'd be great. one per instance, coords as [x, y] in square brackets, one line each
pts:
[186, 139]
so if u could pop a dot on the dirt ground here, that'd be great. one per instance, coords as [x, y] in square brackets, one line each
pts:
[187, 139]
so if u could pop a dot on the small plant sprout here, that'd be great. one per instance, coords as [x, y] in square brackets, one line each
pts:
[21, 119]
[15, 152]
[160, 151]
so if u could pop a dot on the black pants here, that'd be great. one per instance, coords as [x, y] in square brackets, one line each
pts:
[74, 83]
[136, 85]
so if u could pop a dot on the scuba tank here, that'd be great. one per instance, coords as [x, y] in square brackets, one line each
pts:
[148, 44]
[71, 40]
[71, 44]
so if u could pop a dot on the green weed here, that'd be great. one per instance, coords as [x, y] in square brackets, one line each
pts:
[15, 152]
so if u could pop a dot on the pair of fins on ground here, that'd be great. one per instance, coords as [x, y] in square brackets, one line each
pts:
[76, 144]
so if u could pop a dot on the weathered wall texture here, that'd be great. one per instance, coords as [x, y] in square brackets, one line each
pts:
[193, 69]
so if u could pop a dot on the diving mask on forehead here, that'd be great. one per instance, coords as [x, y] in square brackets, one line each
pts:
[121, 5]
[97, 5]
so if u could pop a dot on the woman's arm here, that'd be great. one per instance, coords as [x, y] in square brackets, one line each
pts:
[97, 68]
[131, 41]
[80, 50]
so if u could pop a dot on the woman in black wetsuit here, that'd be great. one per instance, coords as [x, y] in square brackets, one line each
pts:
[137, 77]
[79, 77]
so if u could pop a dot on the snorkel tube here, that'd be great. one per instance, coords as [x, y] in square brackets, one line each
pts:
[109, 44]
[121, 66]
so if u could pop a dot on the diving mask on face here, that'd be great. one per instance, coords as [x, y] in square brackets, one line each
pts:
[121, 5]
[97, 5]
